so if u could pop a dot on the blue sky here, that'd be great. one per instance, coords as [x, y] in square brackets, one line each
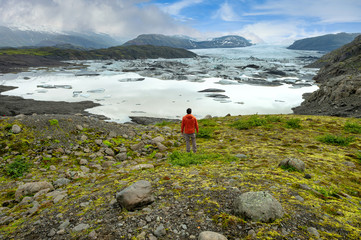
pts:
[281, 21]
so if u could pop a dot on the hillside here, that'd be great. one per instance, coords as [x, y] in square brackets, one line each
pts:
[12, 58]
[324, 43]
[12, 37]
[179, 42]
[339, 82]
[77, 166]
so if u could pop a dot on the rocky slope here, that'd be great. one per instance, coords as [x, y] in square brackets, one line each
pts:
[324, 43]
[66, 177]
[179, 42]
[339, 80]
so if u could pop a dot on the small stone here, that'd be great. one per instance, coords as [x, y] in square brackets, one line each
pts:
[61, 182]
[60, 232]
[161, 147]
[64, 224]
[252, 233]
[121, 156]
[349, 164]
[299, 198]
[109, 152]
[241, 156]
[313, 231]
[80, 227]
[308, 176]
[93, 235]
[84, 169]
[83, 138]
[52, 168]
[83, 162]
[108, 164]
[142, 166]
[79, 127]
[52, 233]
[15, 129]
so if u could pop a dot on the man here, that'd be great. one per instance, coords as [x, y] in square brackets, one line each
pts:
[188, 128]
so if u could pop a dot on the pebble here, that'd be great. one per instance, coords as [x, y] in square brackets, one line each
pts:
[80, 227]
[160, 231]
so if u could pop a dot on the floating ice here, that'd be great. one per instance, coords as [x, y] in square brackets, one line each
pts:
[99, 90]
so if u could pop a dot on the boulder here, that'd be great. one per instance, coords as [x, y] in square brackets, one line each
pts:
[137, 147]
[258, 206]
[208, 235]
[158, 139]
[32, 188]
[121, 156]
[295, 163]
[60, 182]
[135, 196]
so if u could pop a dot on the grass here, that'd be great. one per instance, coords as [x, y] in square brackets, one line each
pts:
[335, 140]
[185, 159]
[328, 191]
[163, 124]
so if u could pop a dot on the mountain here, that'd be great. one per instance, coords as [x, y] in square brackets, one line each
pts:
[339, 80]
[12, 37]
[187, 43]
[324, 43]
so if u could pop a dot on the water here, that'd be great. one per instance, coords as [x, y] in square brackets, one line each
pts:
[152, 91]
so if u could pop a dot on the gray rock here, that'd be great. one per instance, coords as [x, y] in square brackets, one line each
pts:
[64, 224]
[258, 206]
[161, 147]
[83, 162]
[158, 139]
[84, 169]
[137, 147]
[135, 196]
[142, 166]
[93, 235]
[241, 156]
[61, 182]
[31, 188]
[313, 231]
[208, 235]
[109, 152]
[15, 129]
[52, 233]
[35, 208]
[293, 163]
[121, 156]
[108, 164]
[349, 164]
[80, 227]
[160, 231]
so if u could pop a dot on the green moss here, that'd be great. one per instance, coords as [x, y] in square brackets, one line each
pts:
[54, 122]
[353, 127]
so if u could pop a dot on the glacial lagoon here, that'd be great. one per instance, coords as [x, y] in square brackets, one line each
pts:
[261, 79]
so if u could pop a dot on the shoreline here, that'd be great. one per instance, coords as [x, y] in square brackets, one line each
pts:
[13, 106]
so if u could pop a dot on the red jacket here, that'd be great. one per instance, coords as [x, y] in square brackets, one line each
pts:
[189, 124]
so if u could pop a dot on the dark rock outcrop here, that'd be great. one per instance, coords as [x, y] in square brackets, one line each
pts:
[339, 80]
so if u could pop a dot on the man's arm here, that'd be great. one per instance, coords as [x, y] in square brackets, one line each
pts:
[196, 125]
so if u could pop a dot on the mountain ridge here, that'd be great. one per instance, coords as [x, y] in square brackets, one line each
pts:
[13, 37]
[230, 41]
[324, 43]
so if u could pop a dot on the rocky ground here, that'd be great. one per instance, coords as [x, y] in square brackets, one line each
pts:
[62, 177]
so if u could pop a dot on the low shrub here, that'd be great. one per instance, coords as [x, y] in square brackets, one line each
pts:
[205, 133]
[253, 121]
[163, 123]
[293, 123]
[207, 122]
[335, 140]
[352, 127]
[17, 168]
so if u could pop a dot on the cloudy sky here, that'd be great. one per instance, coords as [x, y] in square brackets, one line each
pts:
[271, 21]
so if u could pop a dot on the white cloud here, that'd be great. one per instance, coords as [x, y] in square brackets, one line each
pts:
[325, 11]
[121, 18]
[176, 8]
[226, 13]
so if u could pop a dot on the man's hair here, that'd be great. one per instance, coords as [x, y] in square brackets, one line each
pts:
[189, 111]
